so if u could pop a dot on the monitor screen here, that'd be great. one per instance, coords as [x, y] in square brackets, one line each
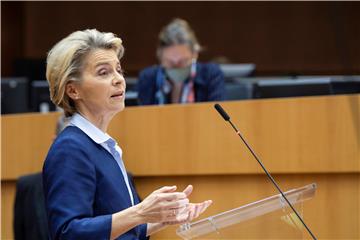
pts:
[14, 95]
[237, 70]
[292, 88]
[238, 90]
[345, 84]
[40, 97]
[131, 95]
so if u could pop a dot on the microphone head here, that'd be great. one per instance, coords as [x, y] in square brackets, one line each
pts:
[222, 112]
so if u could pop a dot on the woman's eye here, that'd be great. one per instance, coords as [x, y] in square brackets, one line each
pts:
[103, 72]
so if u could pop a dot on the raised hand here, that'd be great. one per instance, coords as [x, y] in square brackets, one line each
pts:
[193, 210]
[164, 205]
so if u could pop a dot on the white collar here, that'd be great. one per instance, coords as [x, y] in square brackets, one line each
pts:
[89, 129]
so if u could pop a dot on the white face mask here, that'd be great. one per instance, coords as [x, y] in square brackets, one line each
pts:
[178, 75]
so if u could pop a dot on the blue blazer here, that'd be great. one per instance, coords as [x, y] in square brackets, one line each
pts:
[209, 84]
[83, 187]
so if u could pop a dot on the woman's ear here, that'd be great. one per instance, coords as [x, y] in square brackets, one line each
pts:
[72, 91]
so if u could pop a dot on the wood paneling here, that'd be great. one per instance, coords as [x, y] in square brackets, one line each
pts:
[280, 38]
[332, 214]
[26, 139]
[300, 140]
[8, 189]
[308, 134]
[12, 35]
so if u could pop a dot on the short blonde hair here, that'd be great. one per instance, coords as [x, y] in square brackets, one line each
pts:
[65, 62]
[178, 31]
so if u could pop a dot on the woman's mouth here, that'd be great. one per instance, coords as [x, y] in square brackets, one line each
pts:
[118, 95]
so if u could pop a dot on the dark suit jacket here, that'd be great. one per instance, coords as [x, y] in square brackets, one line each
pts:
[209, 84]
[83, 187]
[30, 222]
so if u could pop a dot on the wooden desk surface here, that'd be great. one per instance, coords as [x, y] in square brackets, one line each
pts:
[292, 135]
[300, 141]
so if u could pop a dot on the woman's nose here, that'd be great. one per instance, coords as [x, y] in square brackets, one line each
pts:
[118, 79]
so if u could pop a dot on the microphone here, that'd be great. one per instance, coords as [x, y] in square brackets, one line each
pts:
[222, 112]
[226, 117]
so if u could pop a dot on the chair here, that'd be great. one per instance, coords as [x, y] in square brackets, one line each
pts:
[30, 220]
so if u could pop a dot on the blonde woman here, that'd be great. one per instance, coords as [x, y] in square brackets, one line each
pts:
[87, 192]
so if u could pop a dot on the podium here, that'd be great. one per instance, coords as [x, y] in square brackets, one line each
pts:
[272, 211]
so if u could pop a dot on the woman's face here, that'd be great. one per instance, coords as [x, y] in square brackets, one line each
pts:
[101, 90]
[177, 56]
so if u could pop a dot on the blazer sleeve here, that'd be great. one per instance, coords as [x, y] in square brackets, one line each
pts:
[143, 231]
[216, 89]
[70, 183]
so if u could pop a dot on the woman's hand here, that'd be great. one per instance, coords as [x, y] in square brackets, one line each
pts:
[193, 209]
[164, 205]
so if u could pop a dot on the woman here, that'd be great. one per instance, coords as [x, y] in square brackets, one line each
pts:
[88, 194]
[180, 78]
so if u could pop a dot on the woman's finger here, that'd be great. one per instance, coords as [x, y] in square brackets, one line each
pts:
[165, 189]
[178, 204]
[198, 208]
[173, 196]
[188, 190]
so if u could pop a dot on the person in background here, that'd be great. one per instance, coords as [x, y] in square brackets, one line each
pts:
[179, 77]
[87, 192]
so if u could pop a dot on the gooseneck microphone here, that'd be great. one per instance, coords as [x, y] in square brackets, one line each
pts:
[227, 118]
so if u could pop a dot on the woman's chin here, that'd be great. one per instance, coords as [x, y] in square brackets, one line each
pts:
[116, 108]
[121, 107]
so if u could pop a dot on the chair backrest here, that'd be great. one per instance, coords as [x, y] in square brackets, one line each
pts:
[30, 220]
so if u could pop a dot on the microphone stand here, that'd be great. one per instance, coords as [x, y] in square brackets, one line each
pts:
[227, 118]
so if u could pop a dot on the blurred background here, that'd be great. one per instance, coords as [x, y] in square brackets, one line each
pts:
[265, 49]
[254, 41]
